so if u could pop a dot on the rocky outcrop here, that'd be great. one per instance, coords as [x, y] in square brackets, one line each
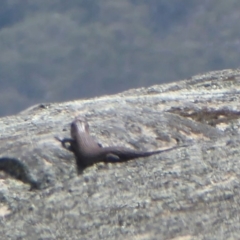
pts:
[188, 193]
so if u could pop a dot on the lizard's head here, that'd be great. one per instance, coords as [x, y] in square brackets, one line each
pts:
[79, 125]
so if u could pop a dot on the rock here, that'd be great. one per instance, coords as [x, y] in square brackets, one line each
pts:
[188, 193]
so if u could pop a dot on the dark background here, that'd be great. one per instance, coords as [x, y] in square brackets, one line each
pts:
[57, 50]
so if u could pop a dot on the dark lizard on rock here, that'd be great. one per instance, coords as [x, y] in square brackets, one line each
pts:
[88, 152]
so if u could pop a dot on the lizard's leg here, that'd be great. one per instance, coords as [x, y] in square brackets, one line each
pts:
[100, 145]
[112, 158]
[64, 142]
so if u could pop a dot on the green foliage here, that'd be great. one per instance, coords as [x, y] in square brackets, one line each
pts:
[60, 50]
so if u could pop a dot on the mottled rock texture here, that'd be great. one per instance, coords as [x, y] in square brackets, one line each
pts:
[188, 193]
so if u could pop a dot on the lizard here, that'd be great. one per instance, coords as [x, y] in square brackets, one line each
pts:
[88, 152]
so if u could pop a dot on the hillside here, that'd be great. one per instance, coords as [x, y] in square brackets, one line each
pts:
[57, 50]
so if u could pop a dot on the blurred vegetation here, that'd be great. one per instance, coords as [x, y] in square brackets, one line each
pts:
[61, 50]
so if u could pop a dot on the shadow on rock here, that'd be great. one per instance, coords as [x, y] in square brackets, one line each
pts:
[18, 170]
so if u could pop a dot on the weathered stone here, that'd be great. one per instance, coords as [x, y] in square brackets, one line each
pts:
[189, 193]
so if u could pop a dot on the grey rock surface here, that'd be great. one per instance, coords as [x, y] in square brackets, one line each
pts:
[188, 193]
